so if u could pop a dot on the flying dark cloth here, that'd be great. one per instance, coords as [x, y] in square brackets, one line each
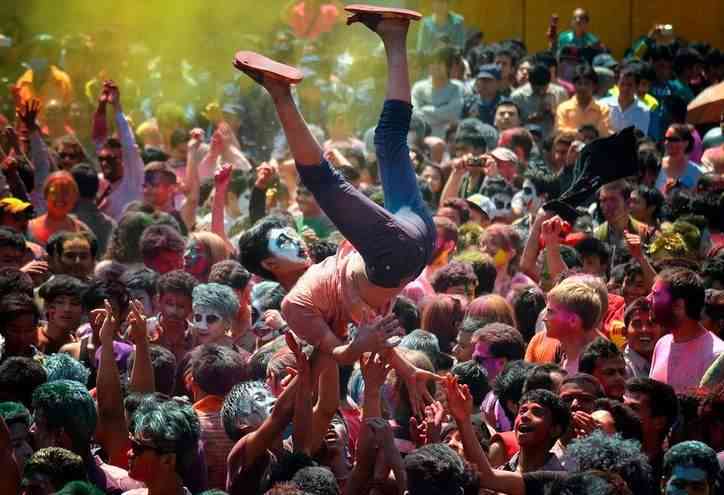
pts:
[600, 162]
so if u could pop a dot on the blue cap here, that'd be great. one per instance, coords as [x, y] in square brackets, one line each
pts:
[488, 71]
[604, 60]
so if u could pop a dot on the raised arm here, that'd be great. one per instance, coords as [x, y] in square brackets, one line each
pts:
[191, 179]
[302, 433]
[265, 175]
[222, 178]
[39, 155]
[452, 186]
[530, 251]
[551, 230]
[142, 375]
[326, 372]
[460, 405]
[99, 128]
[633, 242]
[111, 431]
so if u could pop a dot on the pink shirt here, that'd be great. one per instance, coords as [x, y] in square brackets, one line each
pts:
[682, 365]
[326, 298]
[419, 289]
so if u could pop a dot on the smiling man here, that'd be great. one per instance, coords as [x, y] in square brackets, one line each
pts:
[642, 334]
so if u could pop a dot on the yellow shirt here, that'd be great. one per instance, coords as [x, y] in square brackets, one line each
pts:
[570, 116]
[56, 87]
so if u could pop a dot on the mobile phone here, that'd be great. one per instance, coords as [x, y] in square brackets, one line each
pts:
[477, 161]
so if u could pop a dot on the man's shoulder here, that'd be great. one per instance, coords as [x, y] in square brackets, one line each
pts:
[522, 92]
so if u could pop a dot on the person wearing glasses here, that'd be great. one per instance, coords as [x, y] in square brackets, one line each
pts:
[578, 35]
[677, 170]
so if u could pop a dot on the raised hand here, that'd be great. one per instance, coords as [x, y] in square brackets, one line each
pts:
[416, 383]
[222, 177]
[434, 415]
[459, 399]
[633, 243]
[552, 230]
[107, 322]
[113, 93]
[374, 370]
[28, 114]
[265, 175]
[137, 323]
[303, 370]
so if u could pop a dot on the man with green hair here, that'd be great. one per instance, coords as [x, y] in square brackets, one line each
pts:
[65, 416]
[690, 467]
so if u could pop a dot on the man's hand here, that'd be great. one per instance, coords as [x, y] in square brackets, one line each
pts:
[633, 243]
[459, 399]
[137, 323]
[113, 94]
[107, 321]
[373, 336]
[374, 371]
[28, 114]
[583, 424]
[265, 175]
[303, 369]
[552, 230]
[336, 158]
[434, 415]
[416, 383]
[222, 177]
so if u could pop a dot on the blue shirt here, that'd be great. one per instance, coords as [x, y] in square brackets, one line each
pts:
[636, 114]
[687, 180]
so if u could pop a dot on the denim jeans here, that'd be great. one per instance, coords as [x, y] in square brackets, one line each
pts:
[397, 241]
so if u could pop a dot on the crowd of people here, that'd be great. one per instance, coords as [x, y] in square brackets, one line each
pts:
[511, 280]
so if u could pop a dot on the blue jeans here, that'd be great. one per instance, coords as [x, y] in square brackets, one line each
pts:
[397, 241]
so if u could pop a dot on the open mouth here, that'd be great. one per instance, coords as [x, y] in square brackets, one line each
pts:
[645, 340]
[526, 428]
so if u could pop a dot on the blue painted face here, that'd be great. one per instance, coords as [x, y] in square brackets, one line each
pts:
[687, 480]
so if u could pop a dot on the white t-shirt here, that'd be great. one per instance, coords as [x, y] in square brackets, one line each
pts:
[682, 365]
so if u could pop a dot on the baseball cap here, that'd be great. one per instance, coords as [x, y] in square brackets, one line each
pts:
[475, 131]
[489, 71]
[604, 60]
[503, 154]
[482, 204]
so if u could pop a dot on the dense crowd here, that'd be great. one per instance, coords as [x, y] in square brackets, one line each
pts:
[510, 280]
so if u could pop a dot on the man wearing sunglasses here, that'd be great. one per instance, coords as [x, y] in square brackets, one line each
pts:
[119, 159]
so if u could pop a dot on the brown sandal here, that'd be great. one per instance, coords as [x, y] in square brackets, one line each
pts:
[371, 15]
[259, 67]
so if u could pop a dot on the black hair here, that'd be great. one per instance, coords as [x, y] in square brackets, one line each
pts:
[216, 368]
[509, 384]
[231, 273]
[56, 241]
[253, 245]
[460, 205]
[453, 274]
[686, 57]
[584, 71]
[611, 453]
[258, 362]
[591, 482]
[87, 179]
[653, 197]
[62, 285]
[660, 52]
[545, 182]
[508, 103]
[287, 465]
[11, 239]
[321, 250]
[504, 341]
[19, 377]
[141, 279]
[627, 422]
[158, 237]
[599, 348]
[13, 280]
[560, 412]
[687, 285]
[433, 469]
[540, 75]
[662, 398]
[100, 290]
[527, 304]
[475, 377]
[163, 362]
[590, 246]
[79, 488]
[316, 480]
[176, 281]
[14, 305]
[584, 380]
[539, 377]
[407, 313]
[712, 271]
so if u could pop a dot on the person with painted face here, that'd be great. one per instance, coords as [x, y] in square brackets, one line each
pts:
[231, 273]
[159, 190]
[214, 308]
[61, 194]
[503, 244]
[72, 253]
[690, 468]
[43, 79]
[119, 159]
[174, 301]
[62, 296]
[203, 250]
[273, 250]
[162, 248]
[681, 357]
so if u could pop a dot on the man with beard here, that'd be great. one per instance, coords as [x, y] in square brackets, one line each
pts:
[682, 356]
[72, 253]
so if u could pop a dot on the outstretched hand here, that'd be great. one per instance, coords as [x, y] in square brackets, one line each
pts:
[107, 322]
[222, 177]
[459, 399]
[28, 114]
[374, 370]
[137, 322]
[417, 388]
[633, 243]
